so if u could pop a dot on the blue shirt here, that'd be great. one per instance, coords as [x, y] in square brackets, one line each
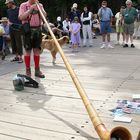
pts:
[6, 29]
[13, 15]
[105, 14]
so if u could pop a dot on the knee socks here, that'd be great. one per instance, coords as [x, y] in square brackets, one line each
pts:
[36, 61]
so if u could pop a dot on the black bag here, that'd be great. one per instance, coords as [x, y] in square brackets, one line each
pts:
[28, 81]
[26, 28]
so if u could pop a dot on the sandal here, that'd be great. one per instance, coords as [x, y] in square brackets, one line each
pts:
[20, 61]
[15, 59]
[3, 56]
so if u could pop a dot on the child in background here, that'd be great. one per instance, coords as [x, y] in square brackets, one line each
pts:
[95, 26]
[75, 34]
[119, 26]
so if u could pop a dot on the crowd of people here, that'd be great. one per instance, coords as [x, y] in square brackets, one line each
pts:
[76, 25]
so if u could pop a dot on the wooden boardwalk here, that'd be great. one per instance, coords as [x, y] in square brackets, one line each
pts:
[55, 110]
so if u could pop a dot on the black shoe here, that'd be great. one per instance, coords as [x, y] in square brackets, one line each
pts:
[132, 46]
[125, 45]
[84, 46]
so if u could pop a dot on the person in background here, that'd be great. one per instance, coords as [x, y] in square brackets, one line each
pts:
[137, 25]
[15, 30]
[119, 26]
[129, 16]
[105, 14]
[29, 13]
[95, 26]
[2, 32]
[86, 26]
[6, 36]
[59, 25]
[74, 13]
[75, 34]
[66, 26]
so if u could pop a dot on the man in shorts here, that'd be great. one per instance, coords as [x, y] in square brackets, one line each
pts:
[105, 14]
[129, 17]
[29, 13]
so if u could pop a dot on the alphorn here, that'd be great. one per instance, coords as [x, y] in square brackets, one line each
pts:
[117, 133]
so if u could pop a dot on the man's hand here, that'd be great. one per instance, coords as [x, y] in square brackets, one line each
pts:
[32, 7]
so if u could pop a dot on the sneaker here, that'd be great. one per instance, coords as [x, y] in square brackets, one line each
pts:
[103, 46]
[125, 45]
[132, 46]
[109, 46]
[38, 73]
[84, 46]
[90, 45]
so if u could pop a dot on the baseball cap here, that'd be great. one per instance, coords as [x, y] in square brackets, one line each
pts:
[128, 1]
[75, 5]
[4, 19]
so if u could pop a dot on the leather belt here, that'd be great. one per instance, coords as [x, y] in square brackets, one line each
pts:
[35, 27]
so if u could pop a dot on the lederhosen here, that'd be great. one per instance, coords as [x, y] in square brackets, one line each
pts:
[34, 38]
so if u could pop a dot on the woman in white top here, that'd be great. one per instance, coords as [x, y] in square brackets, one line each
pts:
[66, 25]
[119, 25]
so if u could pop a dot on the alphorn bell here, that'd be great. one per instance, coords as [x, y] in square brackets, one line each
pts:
[117, 133]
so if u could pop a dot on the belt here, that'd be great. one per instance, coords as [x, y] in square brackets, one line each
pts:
[35, 27]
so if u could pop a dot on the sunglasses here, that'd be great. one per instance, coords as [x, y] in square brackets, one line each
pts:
[128, 4]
